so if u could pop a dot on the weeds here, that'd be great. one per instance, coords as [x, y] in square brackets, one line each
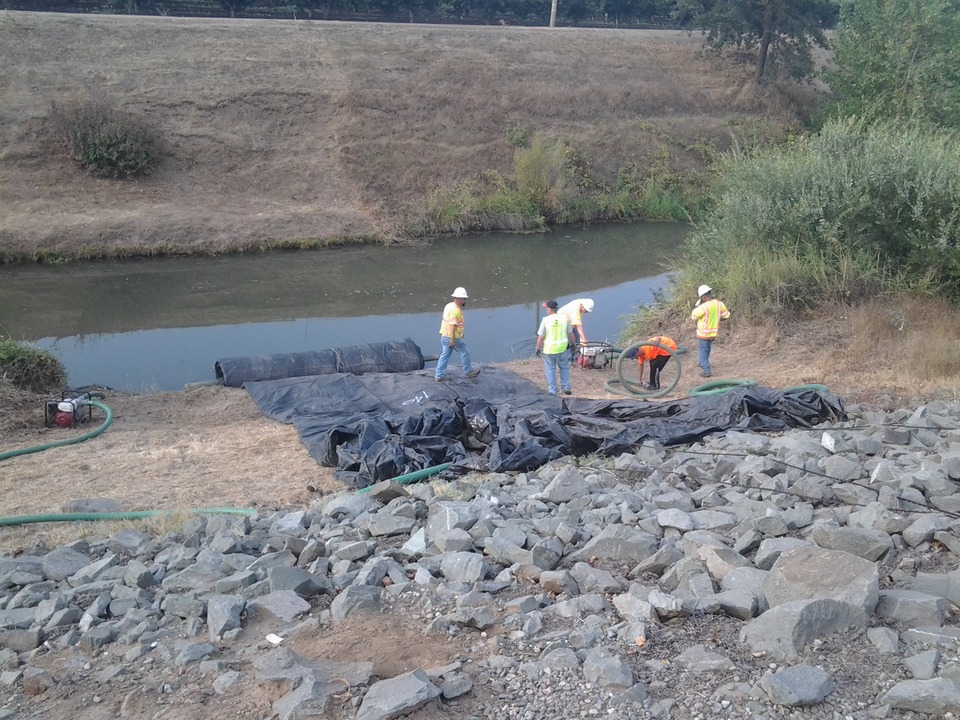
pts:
[28, 368]
[485, 203]
[104, 140]
[552, 183]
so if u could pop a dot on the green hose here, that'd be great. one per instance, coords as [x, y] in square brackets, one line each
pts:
[132, 515]
[719, 387]
[415, 476]
[69, 441]
[622, 386]
[794, 389]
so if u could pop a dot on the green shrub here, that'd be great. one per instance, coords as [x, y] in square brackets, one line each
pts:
[485, 203]
[552, 183]
[844, 215]
[104, 140]
[29, 368]
[518, 135]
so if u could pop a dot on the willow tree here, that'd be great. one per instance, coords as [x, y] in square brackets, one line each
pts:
[898, 59]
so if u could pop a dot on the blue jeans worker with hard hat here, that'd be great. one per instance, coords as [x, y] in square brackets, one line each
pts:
[708, 312]
[554, 336]
[451, 337]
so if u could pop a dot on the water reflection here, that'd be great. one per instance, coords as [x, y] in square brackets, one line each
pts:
[161, 323]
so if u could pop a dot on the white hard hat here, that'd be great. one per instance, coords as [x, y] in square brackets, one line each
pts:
[460, 293]
[703, 290]
[587, 305]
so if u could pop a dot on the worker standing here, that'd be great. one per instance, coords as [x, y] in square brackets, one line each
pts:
[554, 336]
[657, 357]
[708, 312]
[451, 337]
[573, 311]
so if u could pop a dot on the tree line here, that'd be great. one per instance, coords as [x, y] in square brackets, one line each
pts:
[613, 13]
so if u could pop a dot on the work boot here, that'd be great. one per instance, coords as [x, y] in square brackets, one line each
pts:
[471, 374]
[567, 392]
[704, 373]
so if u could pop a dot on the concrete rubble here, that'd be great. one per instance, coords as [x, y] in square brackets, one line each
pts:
[572, 576]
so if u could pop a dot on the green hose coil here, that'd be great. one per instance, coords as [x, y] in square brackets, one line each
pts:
[622, 386]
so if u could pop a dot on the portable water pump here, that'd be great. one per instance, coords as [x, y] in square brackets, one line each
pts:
[595, 355]
[71, 409]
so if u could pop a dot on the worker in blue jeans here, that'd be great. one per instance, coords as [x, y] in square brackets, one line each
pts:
[708, 312]
[451, 337]
[554, 336]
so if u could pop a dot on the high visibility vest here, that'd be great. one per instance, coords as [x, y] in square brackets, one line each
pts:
[452, 315]
[555, 334]
[708, 316]
[649, 352]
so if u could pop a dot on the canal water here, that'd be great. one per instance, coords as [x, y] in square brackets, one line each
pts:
[161, 323]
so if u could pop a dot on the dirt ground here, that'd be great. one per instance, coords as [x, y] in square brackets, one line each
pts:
[211, 447]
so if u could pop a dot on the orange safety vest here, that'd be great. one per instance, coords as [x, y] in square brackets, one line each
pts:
[649, 352]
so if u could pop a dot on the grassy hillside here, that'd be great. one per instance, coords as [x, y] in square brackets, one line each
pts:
[279, 131]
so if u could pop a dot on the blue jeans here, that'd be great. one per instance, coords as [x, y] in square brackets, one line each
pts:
[703, 354]
[446, 350]
[550, 364]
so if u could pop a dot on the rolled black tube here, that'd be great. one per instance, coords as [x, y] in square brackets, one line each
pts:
[391, 356]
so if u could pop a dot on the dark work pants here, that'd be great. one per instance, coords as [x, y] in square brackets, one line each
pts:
[656, 365]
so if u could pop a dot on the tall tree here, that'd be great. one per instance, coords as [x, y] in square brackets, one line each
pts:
[898, 59]
[783, 32]
[234, 7]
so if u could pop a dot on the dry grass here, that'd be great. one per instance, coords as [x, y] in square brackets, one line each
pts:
[279, 131]
[21, 408]
[210, 447]
[918, 336]
[608, 93]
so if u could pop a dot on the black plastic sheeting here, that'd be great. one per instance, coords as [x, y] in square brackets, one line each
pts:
[377, 426]
[382, 357]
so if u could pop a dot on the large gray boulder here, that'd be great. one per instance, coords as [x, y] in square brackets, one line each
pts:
[398, 696]
[812, 572]
[784, 631]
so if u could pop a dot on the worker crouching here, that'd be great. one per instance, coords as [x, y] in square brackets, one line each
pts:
[657, 357]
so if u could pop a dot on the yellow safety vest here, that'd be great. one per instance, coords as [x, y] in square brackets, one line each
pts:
[452, 315]
[708, 316]
[555, 334]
